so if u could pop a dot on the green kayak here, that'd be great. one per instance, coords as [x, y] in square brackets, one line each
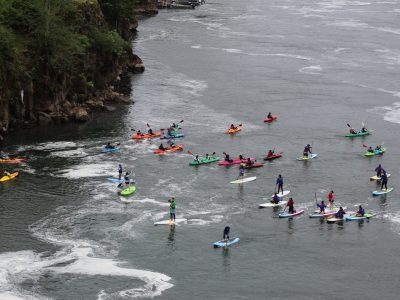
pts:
[204, 161]
[376, 152]
[128, 191]
[358, 134]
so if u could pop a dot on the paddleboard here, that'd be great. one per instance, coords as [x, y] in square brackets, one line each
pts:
[334, 220]
[310, 156]
[355, 218]
[285, 214]
[128, 191]
[170, 222]
[222, 243]
[270, 204]
[116, 180]
[381, 192]
[282, 194]
[247, 179]
[378, 178]
[324, 215]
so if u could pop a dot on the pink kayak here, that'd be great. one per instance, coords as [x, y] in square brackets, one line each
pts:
[234, 162]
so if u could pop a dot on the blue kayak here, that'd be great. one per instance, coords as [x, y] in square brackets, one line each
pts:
[222, 243]
[111, 150]
[175, 136]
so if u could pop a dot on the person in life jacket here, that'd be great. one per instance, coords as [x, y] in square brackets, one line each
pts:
[340, 213]
[172, 208]
[290, 204]
[331, 198]
[360, 212]
[275, 199]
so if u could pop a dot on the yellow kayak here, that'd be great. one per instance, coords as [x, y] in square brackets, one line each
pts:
[9, 177]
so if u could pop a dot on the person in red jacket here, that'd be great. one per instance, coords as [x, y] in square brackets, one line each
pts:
[331, 198]
[290, 204]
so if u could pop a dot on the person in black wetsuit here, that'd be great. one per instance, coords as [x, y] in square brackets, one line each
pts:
[226, 233]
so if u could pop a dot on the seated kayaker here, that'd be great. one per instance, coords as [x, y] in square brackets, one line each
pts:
[109, 146]
[353, 131]
[290, 204]
[249, 162]
[150, 131]
[340, 213]
[241, 157]
[270, 153]
[269, 115]
[207, 156]
[321, 207]
[370, 150]
[275, 198]
[364, 129]
[378, 148]
[227, 158]
[197, 159]
[171, 144]
[360, 212]
[6, 173]
[170, 132]
[161, 147]
[174, 125]
[139, 133]
[233, 127]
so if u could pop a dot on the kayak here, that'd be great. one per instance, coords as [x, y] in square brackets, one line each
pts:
[175, 136]
[288, 215]
[234, 162]
[381, 192]
[282, 194]
[331, 209]
[11, 176]
[311, 156]
[247, 179]
[203, 161]
[128, 191]
[12, 160]
[116, 180]
[170, 149]
[324, 215]
[378, 178]
[376, 152]
[111, 150]
[358, 134]
[274, 156]
[254, 165]
[272, 204]
[147, 136]
[354, 217]
[222, 243]
[270, 120]
[236, 130]
[334, 220]
[171, 222]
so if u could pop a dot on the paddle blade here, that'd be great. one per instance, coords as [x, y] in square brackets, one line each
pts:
[148, 125]
[180, 122]
[348, 125]
[365, 146]
[190, 152]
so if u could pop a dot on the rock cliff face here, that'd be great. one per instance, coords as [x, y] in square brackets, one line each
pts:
[74, 97]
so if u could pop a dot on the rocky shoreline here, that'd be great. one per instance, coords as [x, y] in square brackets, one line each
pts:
[75, 100]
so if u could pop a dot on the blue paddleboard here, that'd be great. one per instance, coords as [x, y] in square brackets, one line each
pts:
[222, 243]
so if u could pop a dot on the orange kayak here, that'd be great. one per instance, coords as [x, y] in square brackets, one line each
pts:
[12, 160]
[11, 176]
[173, 149]
[147, 136]
[235, 130]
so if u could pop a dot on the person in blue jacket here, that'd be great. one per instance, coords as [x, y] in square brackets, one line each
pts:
[279, 183]
[340, 213]
[321, 207]
[360, 212]
[275, 199]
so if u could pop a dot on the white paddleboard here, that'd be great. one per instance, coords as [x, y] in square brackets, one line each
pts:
[282, 194]
[269, 204]
[247, 179]
[310, 156]
[169, 222]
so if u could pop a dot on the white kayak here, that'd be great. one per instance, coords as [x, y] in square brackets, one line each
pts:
[378, 178]
[247, 179]
[381, 192]
[271, 204]
[310, 156]
[223, 243]
[282, 194]
[171, 222]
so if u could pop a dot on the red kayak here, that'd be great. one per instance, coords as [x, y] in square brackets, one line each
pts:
[146, 136]
[173, 149]
[234, 162]
[274, 156]
[270, 120]
[254, 165]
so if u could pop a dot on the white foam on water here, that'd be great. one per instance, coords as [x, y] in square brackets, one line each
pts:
[152, 201]
[313, 70]
[51, 146]
[349, 23]
[88, 170]
[79, 152]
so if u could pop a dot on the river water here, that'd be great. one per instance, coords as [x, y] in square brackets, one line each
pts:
[66, 234]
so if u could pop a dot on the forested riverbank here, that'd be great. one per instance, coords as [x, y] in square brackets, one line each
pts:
[61, 60]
